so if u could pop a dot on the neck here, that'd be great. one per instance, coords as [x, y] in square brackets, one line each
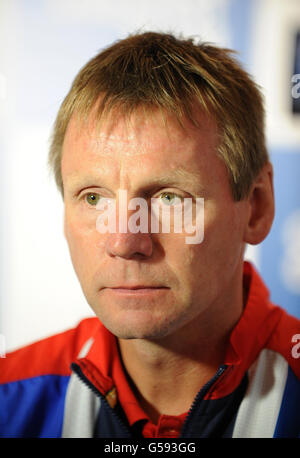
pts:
[159, 375]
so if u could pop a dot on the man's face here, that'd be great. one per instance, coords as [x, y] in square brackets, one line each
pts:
[181, 285]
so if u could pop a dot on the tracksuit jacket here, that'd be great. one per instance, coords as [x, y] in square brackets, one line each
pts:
[61, 385]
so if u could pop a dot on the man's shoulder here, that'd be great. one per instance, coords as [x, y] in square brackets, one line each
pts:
[285, 340]
[49, 356]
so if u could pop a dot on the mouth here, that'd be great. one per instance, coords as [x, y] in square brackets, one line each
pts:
[137, 289]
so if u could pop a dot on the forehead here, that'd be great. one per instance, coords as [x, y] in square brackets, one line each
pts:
[151, 141]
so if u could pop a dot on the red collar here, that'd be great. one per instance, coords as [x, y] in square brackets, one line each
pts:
[103, 367]
[251, 333]
[102, 364]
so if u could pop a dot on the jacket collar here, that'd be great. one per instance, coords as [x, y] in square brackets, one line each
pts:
[251, 333]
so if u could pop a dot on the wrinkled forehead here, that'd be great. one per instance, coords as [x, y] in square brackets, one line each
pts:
[144, 150]
[139, 133]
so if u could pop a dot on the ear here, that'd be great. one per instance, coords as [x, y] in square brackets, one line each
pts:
[261, 207]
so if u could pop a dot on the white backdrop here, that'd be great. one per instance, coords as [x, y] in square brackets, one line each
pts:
[44, 43]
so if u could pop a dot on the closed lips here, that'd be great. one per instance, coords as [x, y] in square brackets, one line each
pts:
[137, 287]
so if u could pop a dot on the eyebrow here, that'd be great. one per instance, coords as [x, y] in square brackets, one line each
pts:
[177, 177]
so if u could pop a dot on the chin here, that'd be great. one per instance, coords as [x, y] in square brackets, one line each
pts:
[138, 328]
[141, 320]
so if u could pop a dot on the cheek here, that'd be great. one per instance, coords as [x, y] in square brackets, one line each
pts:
[85, 244]
[223, 240]
[221, 247]
[222, 222]
[183, 259]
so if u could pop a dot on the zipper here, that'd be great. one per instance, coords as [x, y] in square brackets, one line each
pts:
[202, 393]
[78, 371]
[200, 396]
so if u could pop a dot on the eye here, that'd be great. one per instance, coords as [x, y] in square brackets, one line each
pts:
[92, 198]
[170, 198]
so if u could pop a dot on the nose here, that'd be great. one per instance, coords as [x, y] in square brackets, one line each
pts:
[128, 240]
[129, 245]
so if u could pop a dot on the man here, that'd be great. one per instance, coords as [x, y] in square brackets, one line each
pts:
[185, 342]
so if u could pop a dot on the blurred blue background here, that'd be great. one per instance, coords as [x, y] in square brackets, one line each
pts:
[43, 45]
